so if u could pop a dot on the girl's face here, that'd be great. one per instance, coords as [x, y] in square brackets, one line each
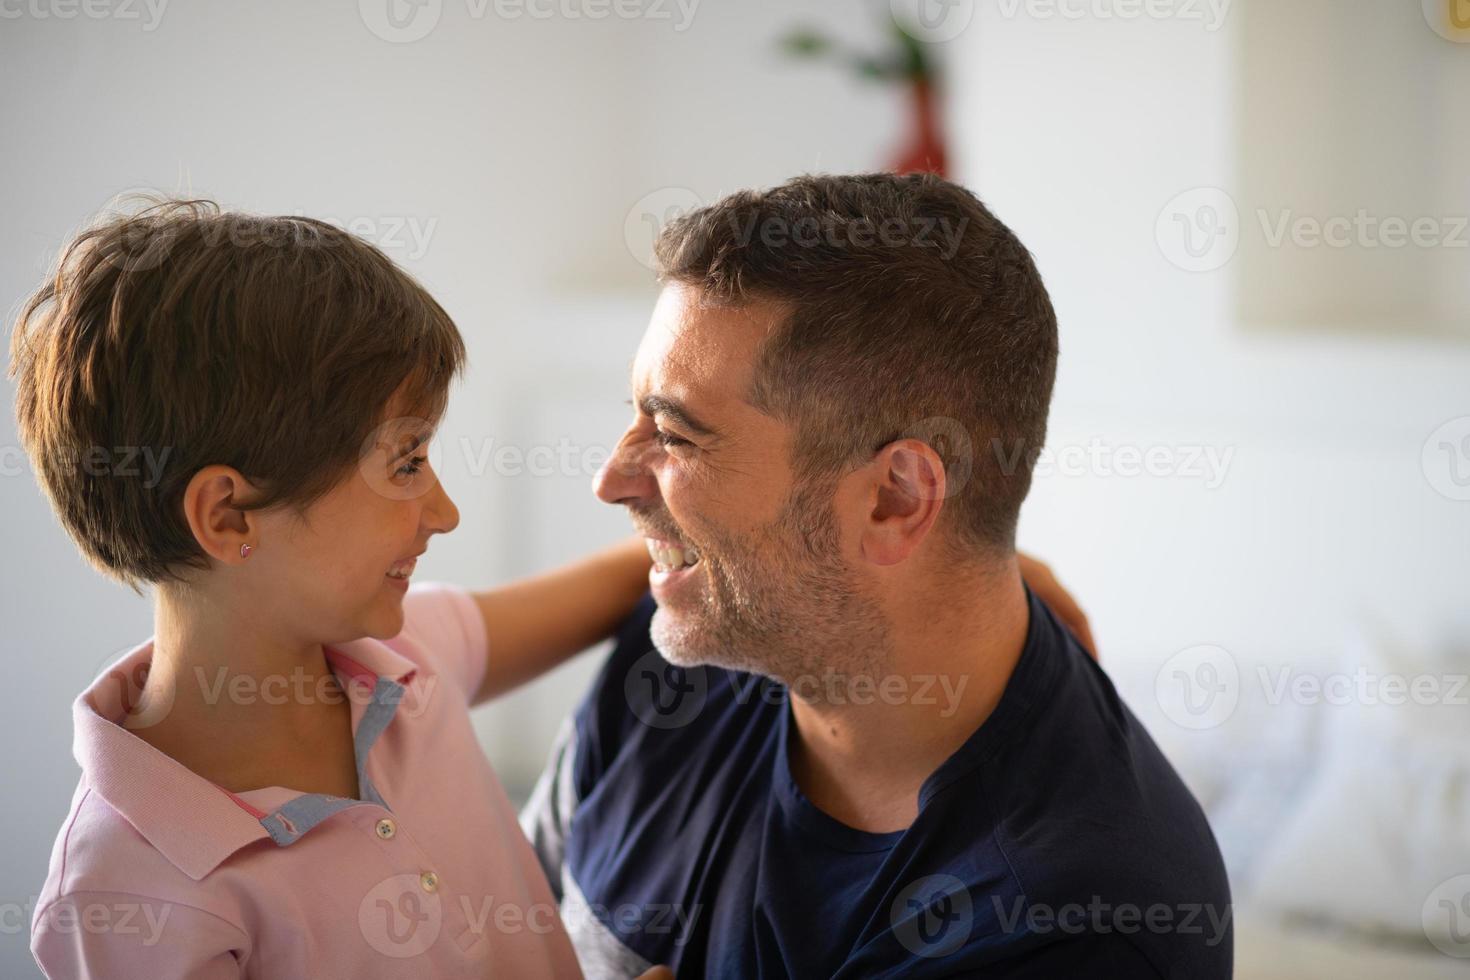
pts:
[344, 570]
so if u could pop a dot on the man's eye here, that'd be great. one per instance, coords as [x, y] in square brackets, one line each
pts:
[411, 467]
[667, 439]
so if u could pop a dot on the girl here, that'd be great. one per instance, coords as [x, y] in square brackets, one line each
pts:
[283, 781]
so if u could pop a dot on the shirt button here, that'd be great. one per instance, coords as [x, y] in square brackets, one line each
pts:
[386, 829]
[429, 882]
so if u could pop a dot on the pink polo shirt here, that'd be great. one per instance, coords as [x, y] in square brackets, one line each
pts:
[160, 874]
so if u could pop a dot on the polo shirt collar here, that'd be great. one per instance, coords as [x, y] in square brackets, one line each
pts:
[191, 821]
[369, 660]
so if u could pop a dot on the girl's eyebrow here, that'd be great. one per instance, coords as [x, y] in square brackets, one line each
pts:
[413, 442]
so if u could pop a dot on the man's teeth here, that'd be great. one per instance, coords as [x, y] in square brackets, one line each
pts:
[402, 569]
[670, 557]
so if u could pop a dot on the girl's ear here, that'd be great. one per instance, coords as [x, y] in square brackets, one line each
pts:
[907, 484]
[222, 529]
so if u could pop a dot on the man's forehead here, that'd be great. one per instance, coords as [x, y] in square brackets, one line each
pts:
[700, 350]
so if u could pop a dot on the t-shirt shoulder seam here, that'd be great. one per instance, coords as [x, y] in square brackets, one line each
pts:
[995, 834]
[1142, 954]
[80, 892]
[71, 824]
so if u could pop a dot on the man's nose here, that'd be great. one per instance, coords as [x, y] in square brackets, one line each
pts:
[626, 478]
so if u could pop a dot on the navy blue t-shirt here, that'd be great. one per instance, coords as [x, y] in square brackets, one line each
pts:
[1056, 842]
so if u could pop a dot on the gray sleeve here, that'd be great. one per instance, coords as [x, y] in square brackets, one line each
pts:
[546, 821]
[546, 818]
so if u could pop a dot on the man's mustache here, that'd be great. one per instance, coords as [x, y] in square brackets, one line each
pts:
[654, 524]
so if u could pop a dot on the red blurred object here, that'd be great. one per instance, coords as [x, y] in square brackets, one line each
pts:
[905, 61]
[924, 152]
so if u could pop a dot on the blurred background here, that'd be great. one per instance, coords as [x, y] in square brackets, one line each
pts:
[1252, 216]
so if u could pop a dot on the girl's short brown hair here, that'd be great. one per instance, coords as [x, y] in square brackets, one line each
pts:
[180, 336]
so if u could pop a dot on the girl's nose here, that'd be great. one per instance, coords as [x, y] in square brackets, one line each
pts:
[441, 515]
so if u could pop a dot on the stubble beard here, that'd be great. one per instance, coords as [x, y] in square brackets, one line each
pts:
[781, 603]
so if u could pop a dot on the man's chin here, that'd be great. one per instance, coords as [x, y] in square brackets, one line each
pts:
[685, 642]
[677, 640]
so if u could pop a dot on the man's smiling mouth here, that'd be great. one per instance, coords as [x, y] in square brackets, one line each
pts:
[669, 556]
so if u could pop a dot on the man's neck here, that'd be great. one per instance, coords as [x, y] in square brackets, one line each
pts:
[864, 763]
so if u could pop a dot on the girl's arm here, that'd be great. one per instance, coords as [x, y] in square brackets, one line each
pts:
[537, 623]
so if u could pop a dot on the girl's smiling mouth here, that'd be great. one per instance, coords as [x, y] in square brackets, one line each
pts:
[401, 569]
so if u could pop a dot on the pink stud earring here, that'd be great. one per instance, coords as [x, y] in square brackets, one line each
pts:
[245, 550]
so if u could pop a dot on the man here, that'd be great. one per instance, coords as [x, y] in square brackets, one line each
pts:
[849, 741]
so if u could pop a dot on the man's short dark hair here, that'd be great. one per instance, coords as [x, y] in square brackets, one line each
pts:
[914, 311]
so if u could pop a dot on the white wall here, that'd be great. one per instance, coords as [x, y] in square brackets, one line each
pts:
[1079, 133]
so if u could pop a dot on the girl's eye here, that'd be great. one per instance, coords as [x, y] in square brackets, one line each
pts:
[412, 466]
[667, 439]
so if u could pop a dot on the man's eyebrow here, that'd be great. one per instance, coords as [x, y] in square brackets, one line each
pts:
[659, 405]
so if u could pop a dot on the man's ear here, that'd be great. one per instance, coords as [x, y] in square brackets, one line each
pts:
[907, 489]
